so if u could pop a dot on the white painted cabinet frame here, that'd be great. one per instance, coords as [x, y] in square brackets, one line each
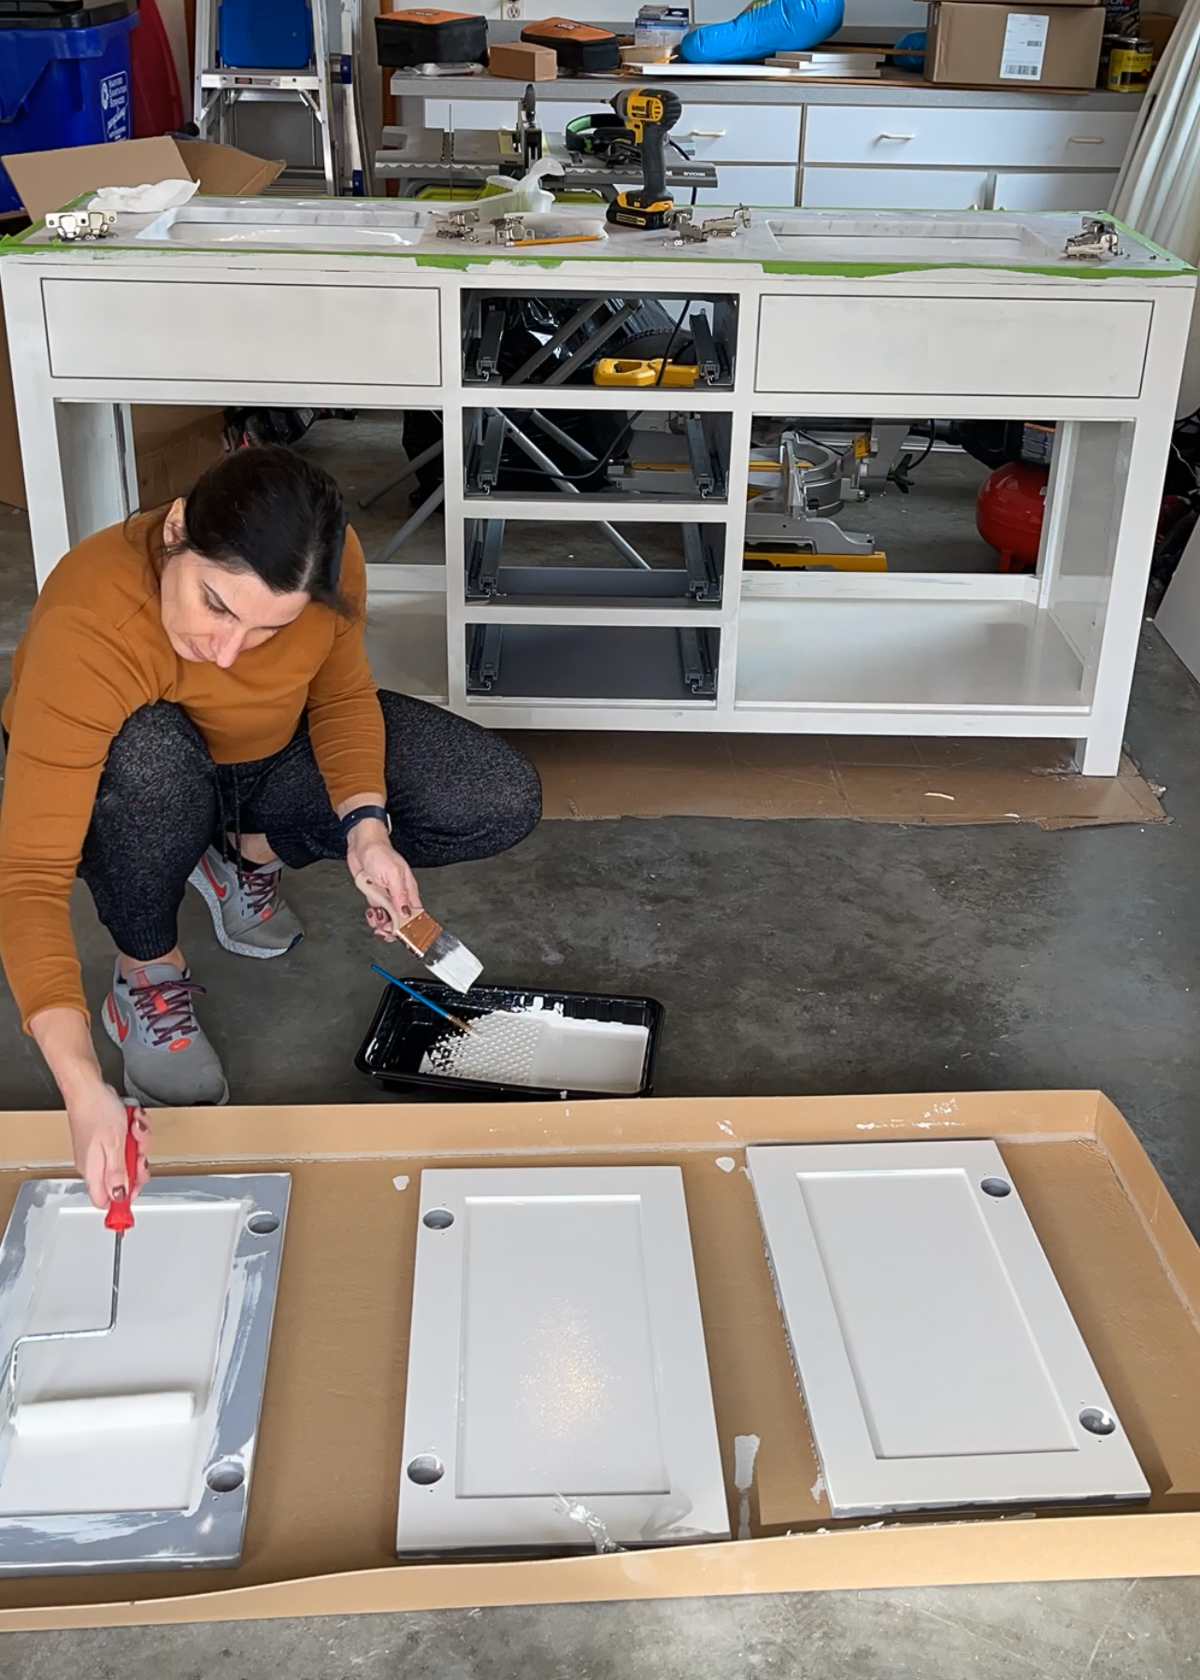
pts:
[939, 1362]
[558, 1387]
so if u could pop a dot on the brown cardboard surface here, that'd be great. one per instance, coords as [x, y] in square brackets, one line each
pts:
[966, 39]
[322, 1511]
[167, 466]
[590, 774]
[173, 446]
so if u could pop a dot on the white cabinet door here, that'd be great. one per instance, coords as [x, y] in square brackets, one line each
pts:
[894, 189]
[558, 1389]
[939, 1361]
[1061, 190]
[985, 139]
[176, 1380]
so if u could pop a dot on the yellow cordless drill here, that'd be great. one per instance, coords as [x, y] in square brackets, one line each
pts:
[649, 114]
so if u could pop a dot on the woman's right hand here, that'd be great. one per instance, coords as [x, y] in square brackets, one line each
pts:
[99, 1126]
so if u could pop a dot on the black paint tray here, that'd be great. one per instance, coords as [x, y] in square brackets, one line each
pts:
[404, 1029]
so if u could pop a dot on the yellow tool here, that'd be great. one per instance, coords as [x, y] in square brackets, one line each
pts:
[649, 114]
[612, 370]
[780, 559]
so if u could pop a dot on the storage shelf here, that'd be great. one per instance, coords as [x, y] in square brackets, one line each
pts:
[1001, 655]
[586, 611]
[590, 508]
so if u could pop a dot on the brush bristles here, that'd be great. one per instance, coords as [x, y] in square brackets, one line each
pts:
[450, 960]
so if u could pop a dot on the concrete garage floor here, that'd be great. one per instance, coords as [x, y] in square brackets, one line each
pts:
[792, 957]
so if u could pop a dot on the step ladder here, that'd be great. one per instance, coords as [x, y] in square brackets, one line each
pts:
[219, 87]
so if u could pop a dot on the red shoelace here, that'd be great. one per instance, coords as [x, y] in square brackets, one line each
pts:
[166, 1008]
[258, 886]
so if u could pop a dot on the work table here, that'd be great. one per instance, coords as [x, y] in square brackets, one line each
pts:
[897, 316]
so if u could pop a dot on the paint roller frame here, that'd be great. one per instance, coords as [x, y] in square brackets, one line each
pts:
[210, 1533]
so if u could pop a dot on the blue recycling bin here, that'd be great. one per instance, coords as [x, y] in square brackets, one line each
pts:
[66, 84]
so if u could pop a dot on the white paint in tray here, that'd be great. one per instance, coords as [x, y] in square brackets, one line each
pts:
[541, 1046]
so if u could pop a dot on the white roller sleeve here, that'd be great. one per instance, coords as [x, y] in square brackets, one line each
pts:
[166, 1410]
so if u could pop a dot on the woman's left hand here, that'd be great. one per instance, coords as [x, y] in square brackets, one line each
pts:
[369, 851]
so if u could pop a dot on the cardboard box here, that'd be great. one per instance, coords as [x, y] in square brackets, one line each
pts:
[47, 180]
[521, 61]
[322, 1511]
[973, 44]
[1158, 28]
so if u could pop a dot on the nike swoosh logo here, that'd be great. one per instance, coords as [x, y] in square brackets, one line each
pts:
[221, 892]
[114, 1016]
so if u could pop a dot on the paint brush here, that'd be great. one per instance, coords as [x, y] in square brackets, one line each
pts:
[441, 952]
[454, 1020]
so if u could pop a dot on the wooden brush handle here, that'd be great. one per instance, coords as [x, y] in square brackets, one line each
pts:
[379, 900]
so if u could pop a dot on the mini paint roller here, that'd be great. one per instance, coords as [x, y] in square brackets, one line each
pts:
[441, 952]
[40, 1419]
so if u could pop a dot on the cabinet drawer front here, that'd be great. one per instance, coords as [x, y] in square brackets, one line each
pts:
[936, 346]
[234, 334]
[894, 189]
[741, 133]
[755, 184]
[970, 139]
[1073, 190]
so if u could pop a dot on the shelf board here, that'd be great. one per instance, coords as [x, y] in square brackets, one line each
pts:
[975, 655]
[614, 509]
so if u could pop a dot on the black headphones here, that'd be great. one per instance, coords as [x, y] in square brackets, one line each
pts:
[603, 137]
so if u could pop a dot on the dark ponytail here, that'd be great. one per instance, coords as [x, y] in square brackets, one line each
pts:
[270, 511]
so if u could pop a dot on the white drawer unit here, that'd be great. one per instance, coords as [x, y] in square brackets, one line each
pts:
[751, 184]
[558, 1389]
[1073, 190]
[894, 189]
[940, 1364]
[396, 339]
[985, 139]
[998, 346]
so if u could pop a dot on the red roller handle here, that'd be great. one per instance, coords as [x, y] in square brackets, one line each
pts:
[120, 1211]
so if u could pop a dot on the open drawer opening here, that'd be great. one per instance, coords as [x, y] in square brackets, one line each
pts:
[578, 338]
[536, 662]
[532, 562]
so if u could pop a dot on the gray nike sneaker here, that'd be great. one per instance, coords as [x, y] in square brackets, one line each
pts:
[249, 916]
[168, 1061]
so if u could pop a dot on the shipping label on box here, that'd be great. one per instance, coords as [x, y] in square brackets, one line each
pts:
[1024, 46]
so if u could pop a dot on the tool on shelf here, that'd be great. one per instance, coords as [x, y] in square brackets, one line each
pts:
[813, 483]
[454, 1020]
[649, 114]
[640, 375]
[92, 1412]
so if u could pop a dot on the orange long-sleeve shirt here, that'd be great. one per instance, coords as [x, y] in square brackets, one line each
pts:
[94, 652]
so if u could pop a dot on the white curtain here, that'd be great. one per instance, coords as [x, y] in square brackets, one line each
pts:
[1158, 189]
